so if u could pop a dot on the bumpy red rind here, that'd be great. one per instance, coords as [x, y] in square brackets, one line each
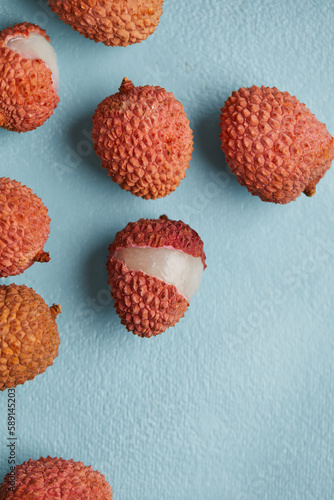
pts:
[144, 139]
[27, 94]
[147, 305]
[57, 479]
[158, 233]
[112, 22]
[29, 337]
[274, 144]
[24, 228]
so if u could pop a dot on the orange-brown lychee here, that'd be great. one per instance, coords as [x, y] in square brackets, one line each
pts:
[29, 337]
[113, 22]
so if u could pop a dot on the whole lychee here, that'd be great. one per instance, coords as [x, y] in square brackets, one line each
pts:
[56, 479]
[29, 337]
[274, 144]
[113, 22]
[155, 267]
[144, 140]
[24, 228]
[28, 77]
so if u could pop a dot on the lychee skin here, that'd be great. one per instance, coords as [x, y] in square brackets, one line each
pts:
[146, 305]
[27, 94]
[24, 228]
[144, 140]
[56, 479]
[112, 22]
[273, 144]
[29, 337]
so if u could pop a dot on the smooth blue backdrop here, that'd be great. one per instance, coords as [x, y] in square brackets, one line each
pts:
[236, 401]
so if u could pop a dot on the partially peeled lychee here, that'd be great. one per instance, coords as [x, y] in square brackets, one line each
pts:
[54, 479]
[29, 337]
[144, 140]
[24, 228]
[28, 77]
[274, 144]
[155, 267]
[112, 22]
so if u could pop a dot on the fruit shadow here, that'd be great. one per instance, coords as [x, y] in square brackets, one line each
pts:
[82, 146]
[206, 139]
[96, 287]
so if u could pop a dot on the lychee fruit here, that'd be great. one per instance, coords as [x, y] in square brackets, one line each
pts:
[155, 267]
[29, 337]
[28, 77]
[24, 228]
[113, 22]
[274, 144]
[144, 140]
[54, 478]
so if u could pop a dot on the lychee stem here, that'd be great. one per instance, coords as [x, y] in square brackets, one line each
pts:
[55, 310]
[310, 191]
[163, 217]
[126, 85]
[42, 257]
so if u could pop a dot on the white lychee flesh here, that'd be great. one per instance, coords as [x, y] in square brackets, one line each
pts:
[35, 46]
[171, 266]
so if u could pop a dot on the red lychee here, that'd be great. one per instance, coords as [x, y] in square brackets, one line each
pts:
[56, 479]
[274, 144]
[29, 337]
[24, 228]
[113, 22]
[144, 140]
[155, 267]
[28, 78]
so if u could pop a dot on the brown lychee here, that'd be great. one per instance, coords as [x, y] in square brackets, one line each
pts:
[144, 140]
[29, 337]
[155, 267]
[28, 77]
[56, 479]
[274, 144]
[113, 22]
[24, 228]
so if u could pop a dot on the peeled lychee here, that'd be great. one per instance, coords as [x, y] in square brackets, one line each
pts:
[144, 140]
[56, 479]
[155, 267]
[274, 144]
[29, 337]
[24, 228]
[28, 77]
[113, 22]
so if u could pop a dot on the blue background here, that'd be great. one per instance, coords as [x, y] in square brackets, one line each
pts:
[236, 401]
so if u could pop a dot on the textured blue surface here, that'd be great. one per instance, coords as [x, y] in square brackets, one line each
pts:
[236, 401]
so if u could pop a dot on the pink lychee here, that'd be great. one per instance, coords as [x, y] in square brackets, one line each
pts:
[24, 228]
[155, 267]
[56, 479]
[274, 144]
[28, 77]
[144, 140]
